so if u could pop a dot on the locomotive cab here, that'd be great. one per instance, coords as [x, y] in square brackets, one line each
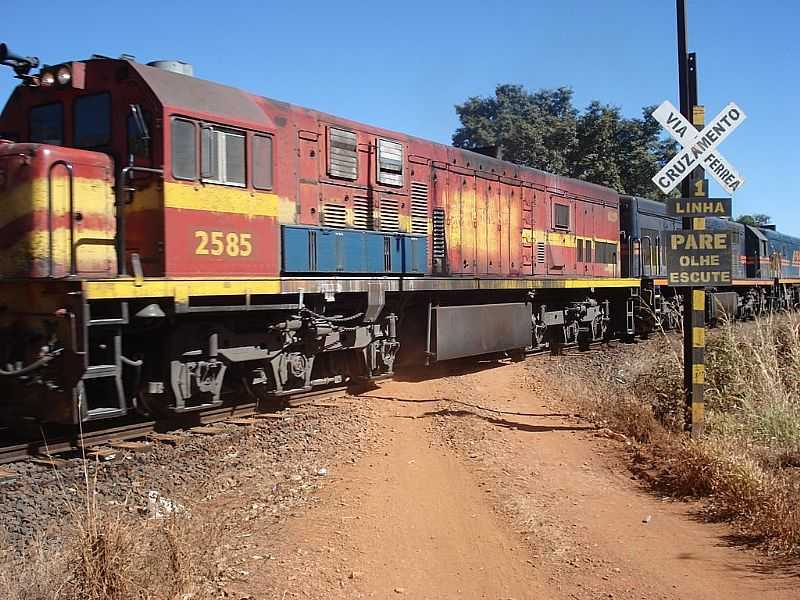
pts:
[76, 143]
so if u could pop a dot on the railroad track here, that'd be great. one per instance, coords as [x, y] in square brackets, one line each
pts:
[78, 442]
[82, 441]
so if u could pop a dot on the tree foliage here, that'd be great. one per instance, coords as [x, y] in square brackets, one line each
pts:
[755, 220]
[544, 130]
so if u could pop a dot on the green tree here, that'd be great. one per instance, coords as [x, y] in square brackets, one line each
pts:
[755, 220]
[544, 130]
[594, 157]
[537, 130]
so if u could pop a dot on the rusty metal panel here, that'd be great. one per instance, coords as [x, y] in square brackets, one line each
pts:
[443, 193]
[493, 226]
[469, 221]
[507, 240]
[453, 215]
[483, 192]
[514, 233]
[526, 233]
[480, 329]
[308, 178]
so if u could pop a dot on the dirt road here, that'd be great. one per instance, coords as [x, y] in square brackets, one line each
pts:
[481, 486]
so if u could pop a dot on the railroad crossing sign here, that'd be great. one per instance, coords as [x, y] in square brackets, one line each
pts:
[698, 147]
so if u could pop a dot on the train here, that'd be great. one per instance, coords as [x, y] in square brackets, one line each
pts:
[170, 244]
[765, 267]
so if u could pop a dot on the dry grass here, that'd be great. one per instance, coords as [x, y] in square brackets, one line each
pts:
[115, 555]
[747, 466]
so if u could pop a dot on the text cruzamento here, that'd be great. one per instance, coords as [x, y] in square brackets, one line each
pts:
[696, 155]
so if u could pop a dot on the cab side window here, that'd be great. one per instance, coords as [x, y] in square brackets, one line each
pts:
[184, 149]
[261, 163]
[223, 156]
[560, 216]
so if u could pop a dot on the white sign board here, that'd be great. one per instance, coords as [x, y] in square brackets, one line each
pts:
[699, 147]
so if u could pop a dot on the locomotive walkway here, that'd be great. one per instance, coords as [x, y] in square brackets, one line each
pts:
[523, 501]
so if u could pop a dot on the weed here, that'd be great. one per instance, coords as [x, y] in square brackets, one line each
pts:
[746, 465]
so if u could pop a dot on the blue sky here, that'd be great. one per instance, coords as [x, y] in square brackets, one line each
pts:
[404, 65]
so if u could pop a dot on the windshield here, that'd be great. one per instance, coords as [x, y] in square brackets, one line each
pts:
[47, 124]
[93, 120]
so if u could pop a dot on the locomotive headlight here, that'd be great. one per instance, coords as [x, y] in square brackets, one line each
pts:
[47, 78]
[63, 76]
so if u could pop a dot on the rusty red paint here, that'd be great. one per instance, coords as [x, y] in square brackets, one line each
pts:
[492, 208]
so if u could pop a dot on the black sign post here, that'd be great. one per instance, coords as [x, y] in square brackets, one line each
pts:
[696, 257]
[694, 300]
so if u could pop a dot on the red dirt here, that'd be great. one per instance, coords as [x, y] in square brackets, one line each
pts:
[458, 502]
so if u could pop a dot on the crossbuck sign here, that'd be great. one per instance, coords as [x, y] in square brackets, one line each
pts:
[698, 147]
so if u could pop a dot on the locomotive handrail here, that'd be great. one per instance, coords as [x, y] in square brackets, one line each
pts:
[120, 206]
[623, 243]
[68, 167]
[636, 243]
[649, 254]
[658, 253]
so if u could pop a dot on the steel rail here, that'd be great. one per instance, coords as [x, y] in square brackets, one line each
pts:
[78, 442]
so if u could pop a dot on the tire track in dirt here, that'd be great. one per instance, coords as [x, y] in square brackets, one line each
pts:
[407, 521]
[520, 501]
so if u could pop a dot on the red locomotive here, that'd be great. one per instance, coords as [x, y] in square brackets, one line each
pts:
[168, 242]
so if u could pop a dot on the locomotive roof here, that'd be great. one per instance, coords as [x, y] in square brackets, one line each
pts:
[189, 93]
[200, 95]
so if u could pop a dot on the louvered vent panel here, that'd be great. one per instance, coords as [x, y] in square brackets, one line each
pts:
[540, 252]
[362, 213]
[439, 244]
[390, 162]
[390, 214]
[334, 215]
[419, 207]
[342, 154]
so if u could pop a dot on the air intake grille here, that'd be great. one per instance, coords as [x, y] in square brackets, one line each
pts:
[540, 252]
[439, 243]
[419, 207]
[334, 215]
[390, 214]
[362, 213]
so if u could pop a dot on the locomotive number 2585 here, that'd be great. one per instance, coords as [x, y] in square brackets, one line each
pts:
[218, 243]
